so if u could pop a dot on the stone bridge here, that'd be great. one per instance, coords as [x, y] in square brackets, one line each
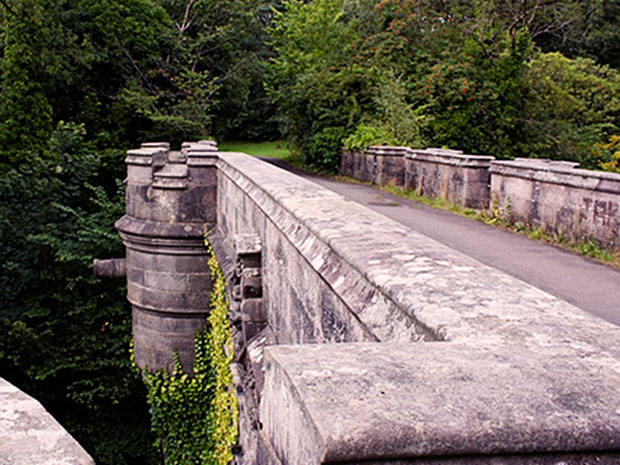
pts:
[359, 341]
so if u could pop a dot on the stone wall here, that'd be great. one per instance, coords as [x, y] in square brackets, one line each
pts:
[29, 435]
[359, 340]
[377, 165]
[560, 198]
[460, 179]
[554, 195]
[440, 359]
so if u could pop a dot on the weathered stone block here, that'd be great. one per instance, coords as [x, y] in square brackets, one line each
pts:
[389, 164]
[435, 401]
[158, 335]
[29, 435]
[461, 179]
[560, 198]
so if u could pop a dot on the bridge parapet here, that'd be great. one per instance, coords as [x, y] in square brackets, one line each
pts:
[554, 195]
[29, 435]
[440, 359]
[559, 197]
[468, 364]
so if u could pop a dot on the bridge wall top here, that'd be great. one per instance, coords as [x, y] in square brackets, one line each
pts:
[30, 435]
[497, 367]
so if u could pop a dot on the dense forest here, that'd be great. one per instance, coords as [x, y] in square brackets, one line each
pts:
[82, 81]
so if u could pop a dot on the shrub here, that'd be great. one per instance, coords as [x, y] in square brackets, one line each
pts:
[571, 106]
[324, 149]
[364, 136]
[607, 155]
[195, 417]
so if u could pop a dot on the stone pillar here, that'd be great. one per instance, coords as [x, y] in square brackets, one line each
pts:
[170, 205]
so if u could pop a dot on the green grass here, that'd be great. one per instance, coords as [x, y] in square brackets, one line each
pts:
[277, 149]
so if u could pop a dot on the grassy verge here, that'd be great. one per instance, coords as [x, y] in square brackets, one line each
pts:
[493, 217]
[276, 149]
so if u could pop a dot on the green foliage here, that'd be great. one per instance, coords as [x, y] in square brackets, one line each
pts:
[314, 79]
[607, 155]
[462, 75]
[196, 417]
[325, 149]
[365, 136]
[24, 110]
[225, 407]
[64, 333]
[396, 115]
[571, 106]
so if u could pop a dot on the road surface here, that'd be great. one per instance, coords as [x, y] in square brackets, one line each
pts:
[576, 279]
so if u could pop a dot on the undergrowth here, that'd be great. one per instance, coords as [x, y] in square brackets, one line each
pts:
[196, 417]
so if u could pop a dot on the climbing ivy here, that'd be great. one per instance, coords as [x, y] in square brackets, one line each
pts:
[196, 417]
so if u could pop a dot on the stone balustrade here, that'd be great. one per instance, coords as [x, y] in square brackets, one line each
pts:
[554, 195]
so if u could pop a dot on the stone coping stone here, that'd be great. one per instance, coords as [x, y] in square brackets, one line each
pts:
[451, 157]
[562, 173]
[164, 145]
[29, 435]
[445, 294]
[546, 163]
[387, 150]
[201, 146]
[146, 156]
[367, 401]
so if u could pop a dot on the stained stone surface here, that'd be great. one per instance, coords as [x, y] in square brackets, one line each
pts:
[31, 436]
[559, 197]
[474, 366]
[459, 178]
[361, 401]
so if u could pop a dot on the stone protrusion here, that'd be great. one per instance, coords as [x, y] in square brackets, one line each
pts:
[169, 210]
[110, 268]
[248, 286]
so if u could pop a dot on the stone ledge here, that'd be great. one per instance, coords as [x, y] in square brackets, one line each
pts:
[387, 150]
[558, 173]
[450, 157]
[388, 402]
[29, 435]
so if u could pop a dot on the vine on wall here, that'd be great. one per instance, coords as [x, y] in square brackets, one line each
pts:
[196, 417]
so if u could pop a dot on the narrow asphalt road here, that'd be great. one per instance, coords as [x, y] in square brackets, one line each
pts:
[589, 285]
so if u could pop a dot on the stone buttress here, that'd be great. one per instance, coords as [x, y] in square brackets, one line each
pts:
[170, 205]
